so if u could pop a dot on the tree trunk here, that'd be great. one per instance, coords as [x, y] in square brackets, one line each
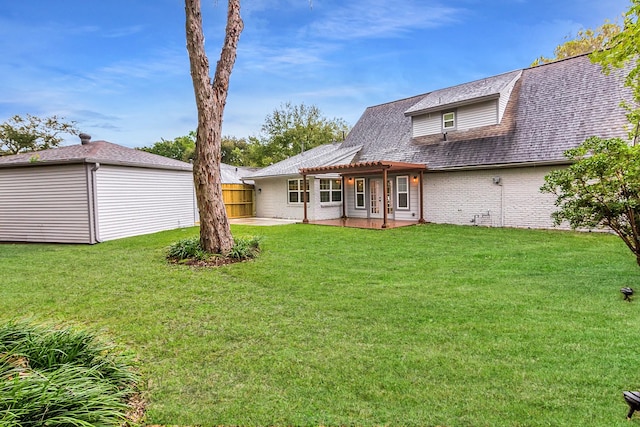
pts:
[211, 97]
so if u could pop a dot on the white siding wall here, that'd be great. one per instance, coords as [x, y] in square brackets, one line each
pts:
[134, 201]
[412, 214]
[272, 201]
[505, 94]
[427, 124]
[467, 117]
[352, 212]
[44, 204]
[462, 196]
[477, 115]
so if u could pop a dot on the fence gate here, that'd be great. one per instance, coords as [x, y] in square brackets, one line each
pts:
[238, 200]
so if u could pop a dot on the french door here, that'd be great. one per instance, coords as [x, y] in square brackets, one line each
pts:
[376, 195]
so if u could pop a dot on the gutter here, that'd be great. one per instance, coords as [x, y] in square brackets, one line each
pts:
[501, 166]
[93, 161]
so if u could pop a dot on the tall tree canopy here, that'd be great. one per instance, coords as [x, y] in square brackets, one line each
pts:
[292, 129]
[287, 131]
[235, 150]
[31, 133]
[211, 98]
[586, 41]
[180, 148]
[602, 185]
[623, 50]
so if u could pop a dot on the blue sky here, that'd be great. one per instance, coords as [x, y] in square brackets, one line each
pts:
[120, 69]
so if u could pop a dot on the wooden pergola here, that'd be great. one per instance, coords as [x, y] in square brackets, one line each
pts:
[366, 168]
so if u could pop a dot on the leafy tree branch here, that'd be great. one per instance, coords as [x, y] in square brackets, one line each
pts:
[31, 133]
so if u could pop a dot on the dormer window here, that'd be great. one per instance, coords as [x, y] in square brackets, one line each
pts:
[449, 120]
[463, 107]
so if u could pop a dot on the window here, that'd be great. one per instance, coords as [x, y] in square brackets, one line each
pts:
[402, 187]
[295, 191]
[330, 190]
[359, 188]
[449, 120]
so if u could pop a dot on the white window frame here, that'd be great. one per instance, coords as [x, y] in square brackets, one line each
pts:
[398, 192]
[452, 120]
[356, 192]
[332, 190]
[298, 190]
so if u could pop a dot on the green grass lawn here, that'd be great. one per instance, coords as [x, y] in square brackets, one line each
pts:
[420, 326]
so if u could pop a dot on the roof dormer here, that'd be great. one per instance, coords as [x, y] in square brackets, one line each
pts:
[463, 107]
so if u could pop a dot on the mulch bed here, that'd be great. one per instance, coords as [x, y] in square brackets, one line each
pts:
[215, 261]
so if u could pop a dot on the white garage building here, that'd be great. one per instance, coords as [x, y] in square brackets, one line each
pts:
[92, 192]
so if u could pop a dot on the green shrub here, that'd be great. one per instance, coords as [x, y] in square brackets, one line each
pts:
[61, 377]
[188, 248]
[245, 248]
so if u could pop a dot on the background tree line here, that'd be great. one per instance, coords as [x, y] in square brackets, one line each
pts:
[287, 131]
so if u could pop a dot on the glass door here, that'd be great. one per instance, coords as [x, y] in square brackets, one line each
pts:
[375, 198]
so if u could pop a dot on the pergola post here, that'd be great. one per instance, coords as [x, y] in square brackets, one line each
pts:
[384, 198]
[421, 184]
[344, 197]
[304, 198]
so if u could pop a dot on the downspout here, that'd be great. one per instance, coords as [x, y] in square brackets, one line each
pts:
[304, 198]
[501, 204]
[93, 188]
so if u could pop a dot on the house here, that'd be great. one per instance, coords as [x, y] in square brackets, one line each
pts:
[475, 153]
[92, 192]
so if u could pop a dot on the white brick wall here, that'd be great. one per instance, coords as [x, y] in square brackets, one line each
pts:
[464, 196]
[272, 201]
[460, 197]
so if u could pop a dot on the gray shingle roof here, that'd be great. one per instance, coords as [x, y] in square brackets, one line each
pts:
[384, 132]
[464, 93]
[552, 108]
[94, 152]
[323, 155]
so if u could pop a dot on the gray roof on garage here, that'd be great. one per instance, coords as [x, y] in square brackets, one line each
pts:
[94, 152]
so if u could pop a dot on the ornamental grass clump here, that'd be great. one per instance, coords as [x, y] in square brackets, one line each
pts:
[62, 377]
[189, 251]
[245, 248]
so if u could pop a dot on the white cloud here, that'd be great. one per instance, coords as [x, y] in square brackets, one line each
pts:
[158, 64]
[272, 59]
[123, 32]
[382, 18]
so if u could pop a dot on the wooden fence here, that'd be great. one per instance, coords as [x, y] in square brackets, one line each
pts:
[239, 200]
